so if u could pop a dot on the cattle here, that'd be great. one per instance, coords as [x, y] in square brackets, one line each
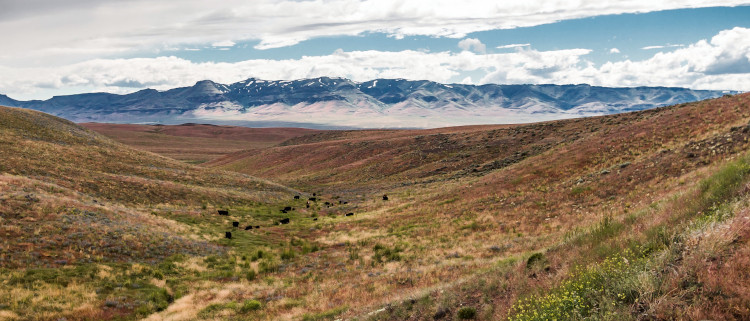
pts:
[288, 208]
[257, 226]
[296, 197]
[341, 202]
[308, 205]
[349, 214]
[249, 227]
[283, 211]
[327, 203]
[315, 219]
[284, 221]
[235, 224]
[312, 199]
[223, 212]
[228, 235]
[385, 197]
[314, 194]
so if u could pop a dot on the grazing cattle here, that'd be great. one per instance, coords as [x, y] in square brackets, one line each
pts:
[296, 197]
[249, 227]
[341, 202]
[385, 197]
[235, 224]
[315, 219]
[349, 214]
[283, 211]
[312, 199]
[288, 208]
[223, 212]
[228, 235]
[327, 203]
[314, 194]
[345, 202]
[257, 226]
[284, 221]
[308, 205]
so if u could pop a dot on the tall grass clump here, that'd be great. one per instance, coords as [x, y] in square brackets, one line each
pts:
[725, 184]
[598, 289]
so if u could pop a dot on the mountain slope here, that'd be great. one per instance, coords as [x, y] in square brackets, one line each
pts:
[341, 103]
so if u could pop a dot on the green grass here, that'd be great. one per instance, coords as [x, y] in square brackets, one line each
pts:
[607, 290]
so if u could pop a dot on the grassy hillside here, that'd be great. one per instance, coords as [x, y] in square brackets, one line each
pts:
[195, 143]
[634, 216]
[92, 229]
[467, 200]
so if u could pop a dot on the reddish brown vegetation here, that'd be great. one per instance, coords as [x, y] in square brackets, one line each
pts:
[195, 142]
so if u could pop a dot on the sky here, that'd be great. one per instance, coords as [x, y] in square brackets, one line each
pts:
[52, 47]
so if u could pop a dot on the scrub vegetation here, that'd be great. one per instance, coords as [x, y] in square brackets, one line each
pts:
[641, 216]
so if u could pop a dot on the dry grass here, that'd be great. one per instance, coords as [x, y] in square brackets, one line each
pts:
[195, 143]
[467, 207]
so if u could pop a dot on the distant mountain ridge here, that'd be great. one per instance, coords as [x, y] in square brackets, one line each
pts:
[341, 103]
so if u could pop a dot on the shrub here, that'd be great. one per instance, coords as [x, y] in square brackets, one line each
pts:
[388, 254]
[250, 305]
[466, 313]
[287, 254]
[535, 259]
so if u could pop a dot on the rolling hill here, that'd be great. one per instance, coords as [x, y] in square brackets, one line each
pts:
[641, 215]
[79, 212]
[465, 199]
[195, 143]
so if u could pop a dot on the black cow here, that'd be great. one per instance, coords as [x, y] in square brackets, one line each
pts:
[296, 197]
[314, 194]
[284, 221]
[349, 214]
[308, 205]
[283, 211]
[228, 235]
[315, 219]
[312, 199]
[257, 226]
[288, 208]
[385, 197]
[327, 203]
[249, 227]
[235, 224]
[223, 212]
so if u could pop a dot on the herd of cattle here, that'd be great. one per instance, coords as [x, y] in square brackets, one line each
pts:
[285, 210]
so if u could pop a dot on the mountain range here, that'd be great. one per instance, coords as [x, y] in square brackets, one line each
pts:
[341, 103]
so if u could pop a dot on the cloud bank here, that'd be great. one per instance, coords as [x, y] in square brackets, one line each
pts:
[51, 32]
[722, 62]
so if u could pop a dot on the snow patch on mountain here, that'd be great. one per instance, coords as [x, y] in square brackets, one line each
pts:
[341, 103]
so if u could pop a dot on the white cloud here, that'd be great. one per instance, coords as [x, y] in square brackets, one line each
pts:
[514, 45]
[46, 32]
[722, 62]
[614, 51]
[225, 43]
[661, 47]
[472, 44]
